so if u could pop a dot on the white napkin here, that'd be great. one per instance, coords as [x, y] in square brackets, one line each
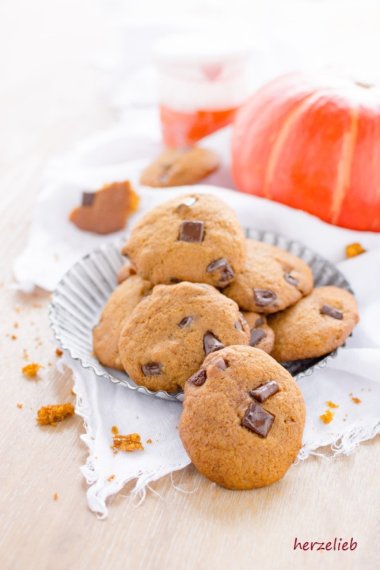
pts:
[103, 405]
[54, 244]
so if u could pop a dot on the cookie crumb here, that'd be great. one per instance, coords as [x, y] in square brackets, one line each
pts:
[356, 400]
[354, 249]
[31, 370]
[58, 352]
[51, 415]
[16, 325]
[327, 417]
[20, 406]
[55, 497]
[332, 404]
[111, 478]
[149, 441]
[115, 430]
[130, 442]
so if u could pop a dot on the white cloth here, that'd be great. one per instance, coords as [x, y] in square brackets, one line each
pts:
[102, 405]
[55, 244]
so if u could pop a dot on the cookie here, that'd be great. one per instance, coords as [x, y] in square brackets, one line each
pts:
[168, 335]
[243, 418]
[195, 237]
[106, 210]
[178, 167]
[315, 326]
[125, 271]
[262, 336]
[120, 304]
[272, 280]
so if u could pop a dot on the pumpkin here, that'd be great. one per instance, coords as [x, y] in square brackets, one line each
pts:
[313, 143]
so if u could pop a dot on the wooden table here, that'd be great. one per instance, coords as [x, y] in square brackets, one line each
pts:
[51, 98]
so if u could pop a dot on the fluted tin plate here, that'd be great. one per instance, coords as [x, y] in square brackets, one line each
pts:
[82, 292]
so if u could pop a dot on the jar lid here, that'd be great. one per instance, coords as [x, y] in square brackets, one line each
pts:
[200, 48]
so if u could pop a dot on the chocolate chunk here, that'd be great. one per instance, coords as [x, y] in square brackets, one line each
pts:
[256, 336]
[238, 326]
[220, 363]
[331, 312]
[224, 271]
[88, 198]
[199, 378]
[186, 321]
[263, 392]
[290, 279]
[192, 232]
[258, 420]
[264, 297]
[152, 369]
[174, 280]
[211, 343]
[260, 321]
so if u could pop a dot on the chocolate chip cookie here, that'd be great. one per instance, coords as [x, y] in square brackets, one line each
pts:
[315, 326]
[262, 336]
[243, 418]
[194, 238]
[168, 335]
[272, 279]
[120, 304]
[125, 271]
[178, 167]
[106, 210]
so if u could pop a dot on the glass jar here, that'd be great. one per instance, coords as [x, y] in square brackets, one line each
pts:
[202, 80]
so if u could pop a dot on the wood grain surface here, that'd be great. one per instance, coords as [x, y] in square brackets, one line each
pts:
[52, 97]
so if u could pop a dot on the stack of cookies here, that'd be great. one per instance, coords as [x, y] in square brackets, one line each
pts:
[199, 307]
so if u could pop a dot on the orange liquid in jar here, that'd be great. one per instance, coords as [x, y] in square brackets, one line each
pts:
[181, 129]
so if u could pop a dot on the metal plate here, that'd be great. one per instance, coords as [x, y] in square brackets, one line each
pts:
[81, 294]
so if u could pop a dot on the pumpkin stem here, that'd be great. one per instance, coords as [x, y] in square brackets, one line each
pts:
[363, 84]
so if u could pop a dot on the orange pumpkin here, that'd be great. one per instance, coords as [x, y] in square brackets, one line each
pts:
[313, 144]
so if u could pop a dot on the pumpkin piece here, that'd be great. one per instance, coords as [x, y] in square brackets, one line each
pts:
[31, 370]
[327, 417]
[354, 249]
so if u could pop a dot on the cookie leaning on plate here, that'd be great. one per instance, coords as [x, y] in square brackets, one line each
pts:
[315, 326]
[120, 304]
[169, 333]
[262, 336]
[271, 280]
[195, 238]
[243, 418]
